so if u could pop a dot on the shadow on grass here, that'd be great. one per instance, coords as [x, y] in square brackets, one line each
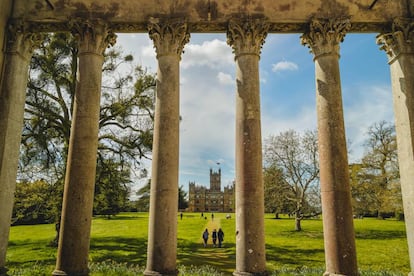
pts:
[121, 217]
[289, 256]
[380, 234]
[134, 251]
[29, 253]
[120, 250]
[195, 254]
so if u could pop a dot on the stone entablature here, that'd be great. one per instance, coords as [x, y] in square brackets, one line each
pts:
[284, 16]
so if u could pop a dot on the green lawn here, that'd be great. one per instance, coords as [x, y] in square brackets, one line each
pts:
[121, 241]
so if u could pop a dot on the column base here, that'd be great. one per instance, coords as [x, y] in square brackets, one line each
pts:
[156, 273]
[242, 273]
[3, 271]
[411, 273]
[58, 272]
[334, 274]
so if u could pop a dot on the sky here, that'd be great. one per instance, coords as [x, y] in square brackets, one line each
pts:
[287, 84]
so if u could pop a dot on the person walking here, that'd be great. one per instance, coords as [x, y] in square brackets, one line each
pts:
[220, 236]
[214, 237]
[205, 237]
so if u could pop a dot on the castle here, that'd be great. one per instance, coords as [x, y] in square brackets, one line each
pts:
[202, 199]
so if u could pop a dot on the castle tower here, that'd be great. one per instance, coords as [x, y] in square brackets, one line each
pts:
[215, 180]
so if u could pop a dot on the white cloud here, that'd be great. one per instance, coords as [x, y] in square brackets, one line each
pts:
[284, 66]
[225, 79]
[148, 51]
[207, 100]
[304, 119]
[207, 126]
[141, 47]
[369, 105]
[213, 54]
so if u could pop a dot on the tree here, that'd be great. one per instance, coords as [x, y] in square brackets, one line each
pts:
[360, 190]
[297, 157]
[375, 184]
[111, 189]
[182, 199]
[276, 192]
[143, 194]
[126, 119]
[32, 203]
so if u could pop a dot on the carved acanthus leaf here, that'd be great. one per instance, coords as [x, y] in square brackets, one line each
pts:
[169, 36]
[325, 35]
[247, 36]
[400, 40]
[93, 36]
[21, 40]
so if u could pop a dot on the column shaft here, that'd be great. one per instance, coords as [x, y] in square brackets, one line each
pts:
[339, 240]
[250, 242]
[246, 38]
[12, 100]
[340, 253]
[78, 195]
[169, 39]
[403, 95]
[162, 235]
[400, 50]
[5, 12]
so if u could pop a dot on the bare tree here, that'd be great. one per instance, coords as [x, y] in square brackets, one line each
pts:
[297, 157]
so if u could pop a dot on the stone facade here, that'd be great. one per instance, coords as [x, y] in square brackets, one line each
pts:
[202, 199]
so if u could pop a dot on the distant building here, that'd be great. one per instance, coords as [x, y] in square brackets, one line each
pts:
[202, 199]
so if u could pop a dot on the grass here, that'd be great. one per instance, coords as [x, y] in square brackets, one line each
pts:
[118, 247]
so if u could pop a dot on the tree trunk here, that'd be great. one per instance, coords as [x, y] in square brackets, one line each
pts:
[298, 227]
[55, 241]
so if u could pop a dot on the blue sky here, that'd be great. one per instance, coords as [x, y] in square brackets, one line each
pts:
[287, 83]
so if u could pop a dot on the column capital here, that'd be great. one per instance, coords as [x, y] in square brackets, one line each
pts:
[325, 35]
[247, 37]
[20, 39]
[93, 36]
[400, 40]
[169, 36]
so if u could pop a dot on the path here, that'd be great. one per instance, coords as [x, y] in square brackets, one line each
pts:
[220, 258]
[211, 225]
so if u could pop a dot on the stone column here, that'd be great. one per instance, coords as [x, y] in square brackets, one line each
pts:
[323, 39]
[72, 259]
[5, 12]
[169, 39]
[246, 38]
[399, 46]
[19, 49]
